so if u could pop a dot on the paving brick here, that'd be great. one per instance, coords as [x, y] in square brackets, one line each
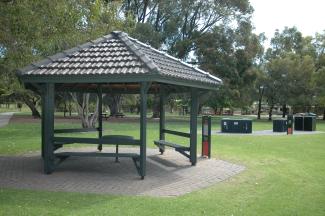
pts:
[104, 176]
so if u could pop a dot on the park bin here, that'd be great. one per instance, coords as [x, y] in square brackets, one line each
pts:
[299, 123]
[279, 125]
[309, 123]
[305, 123]
[236, 126]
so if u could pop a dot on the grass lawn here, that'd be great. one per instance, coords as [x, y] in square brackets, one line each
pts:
[285, 175]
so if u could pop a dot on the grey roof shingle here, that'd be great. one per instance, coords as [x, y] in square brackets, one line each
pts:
[115, 54]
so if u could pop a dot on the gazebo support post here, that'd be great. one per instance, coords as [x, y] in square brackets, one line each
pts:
[193, 126]
[100, 117]
[143, 128]
[48, 127]
[162, 118]
[43, 122]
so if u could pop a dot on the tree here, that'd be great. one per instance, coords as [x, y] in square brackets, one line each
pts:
[217, 101]
[113, 101]
[320, 88]
[290, 78]
[180, 27]
[180, 23]
[291, 62]
[290, 40]
[87, 114]
[260, 85]
[230, 54]
[30, 31]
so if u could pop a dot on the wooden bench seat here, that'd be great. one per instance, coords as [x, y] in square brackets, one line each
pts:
[169, 144]
[95, 154]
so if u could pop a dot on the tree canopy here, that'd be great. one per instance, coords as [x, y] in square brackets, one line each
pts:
[216, 36]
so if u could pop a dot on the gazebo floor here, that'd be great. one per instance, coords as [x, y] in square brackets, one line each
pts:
[167, 175]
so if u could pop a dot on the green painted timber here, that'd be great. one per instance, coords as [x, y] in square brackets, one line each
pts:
[193, 126]
[100, 117]
[104, 140]
[121, 78]
[171, 89]
[95, 154]
[48, 128]
[143, 128]
[76, 130]
[162, 116]
[43, 122]
[177, 133]
[173, 145]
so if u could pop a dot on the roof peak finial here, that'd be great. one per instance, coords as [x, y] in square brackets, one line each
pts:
[119, 33]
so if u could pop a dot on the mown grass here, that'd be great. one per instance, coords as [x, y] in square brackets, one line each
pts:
[285, 175]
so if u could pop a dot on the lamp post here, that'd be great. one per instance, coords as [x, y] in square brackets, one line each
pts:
[260, 92]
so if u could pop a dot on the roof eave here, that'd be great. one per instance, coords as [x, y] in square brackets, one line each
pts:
[118, 78]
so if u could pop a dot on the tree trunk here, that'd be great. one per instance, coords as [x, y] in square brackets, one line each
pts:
[284, 110]
[65, 109]
[261, 93]
[221, 110]
[70, 108]
[200, 109]
[114, 105]
[215, 110]
[32, 107]
[270, 112]
[259, 108]
[324, 114]
[143, 18]
[88, 120]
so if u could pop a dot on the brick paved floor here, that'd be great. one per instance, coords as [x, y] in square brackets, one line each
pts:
[167, 175]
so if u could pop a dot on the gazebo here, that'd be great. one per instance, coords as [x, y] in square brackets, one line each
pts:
[115, 63]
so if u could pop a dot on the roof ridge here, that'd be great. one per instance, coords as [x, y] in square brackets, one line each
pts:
[136, 50]
[64, 53]
[176, 59]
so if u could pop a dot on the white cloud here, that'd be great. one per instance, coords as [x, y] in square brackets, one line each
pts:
[307, 16]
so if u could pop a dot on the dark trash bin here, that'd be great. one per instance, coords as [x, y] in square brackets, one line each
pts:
[309, 123]
[279, 125]
[305, 123]
[236, 126]
[299, 123]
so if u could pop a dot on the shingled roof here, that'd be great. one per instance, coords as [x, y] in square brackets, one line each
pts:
[116, 58]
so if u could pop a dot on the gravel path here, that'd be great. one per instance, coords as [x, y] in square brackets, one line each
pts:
[4, 118]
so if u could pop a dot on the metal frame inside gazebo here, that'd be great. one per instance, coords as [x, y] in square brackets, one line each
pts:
[58, 73]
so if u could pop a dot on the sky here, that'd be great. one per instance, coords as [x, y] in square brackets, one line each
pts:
[307, 15]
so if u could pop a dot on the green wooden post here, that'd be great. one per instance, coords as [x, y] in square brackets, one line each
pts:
[193, 126]
[43, 122]
[100, 117]
[162, 117]
[48, 128]
[143, 128]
